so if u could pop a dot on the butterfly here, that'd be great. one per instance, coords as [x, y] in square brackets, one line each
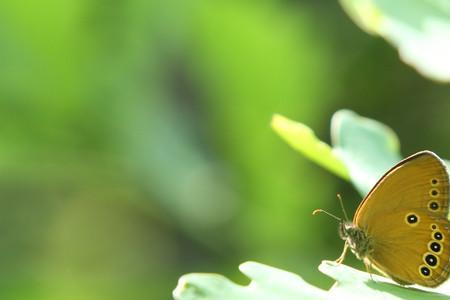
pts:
[401, 227]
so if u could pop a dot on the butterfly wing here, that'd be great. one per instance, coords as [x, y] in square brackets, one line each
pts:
[405, 217]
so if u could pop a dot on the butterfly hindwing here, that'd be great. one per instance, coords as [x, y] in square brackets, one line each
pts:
[405, 217]
[414, 255]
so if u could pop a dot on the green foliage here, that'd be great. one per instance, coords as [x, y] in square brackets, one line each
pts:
[362, 149]
[268, 283]
[419, 29]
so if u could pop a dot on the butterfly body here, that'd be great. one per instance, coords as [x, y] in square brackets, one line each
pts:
[401, 227]
[356, 238]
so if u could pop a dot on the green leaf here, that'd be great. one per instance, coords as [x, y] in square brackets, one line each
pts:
[368, 148]
[267, 283]
[420, 29]
[354, 284]
[271, 283]
[303, 139]
[363, 149]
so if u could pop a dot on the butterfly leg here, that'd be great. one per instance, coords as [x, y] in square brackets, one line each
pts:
[369, 269]
[344, 252]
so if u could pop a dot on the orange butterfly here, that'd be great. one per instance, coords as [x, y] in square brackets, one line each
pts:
[401, 227]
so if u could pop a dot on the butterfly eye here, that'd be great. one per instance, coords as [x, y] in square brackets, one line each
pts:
[434, 193]
[435, 247]
[433, 205]
[412, 219]
[431, 260]
[425, 271]
[434, 181]
[437, 236]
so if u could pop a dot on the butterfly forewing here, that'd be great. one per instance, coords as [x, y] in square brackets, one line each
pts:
[405, 217]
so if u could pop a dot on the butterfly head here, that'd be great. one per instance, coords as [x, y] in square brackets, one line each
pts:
[346, 229]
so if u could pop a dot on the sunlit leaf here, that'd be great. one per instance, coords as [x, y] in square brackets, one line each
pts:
[267, 283]
[419, 29]
[271, 283]
[303, 139]
[368, 148]
[363, 149]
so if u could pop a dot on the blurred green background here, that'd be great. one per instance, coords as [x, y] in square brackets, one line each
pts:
[135, 143]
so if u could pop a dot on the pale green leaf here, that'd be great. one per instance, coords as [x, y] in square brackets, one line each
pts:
[367, 147]
[420, 29]
[268, 283]
[303, 139]
[363, 149]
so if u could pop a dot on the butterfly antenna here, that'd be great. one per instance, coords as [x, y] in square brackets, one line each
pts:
[315, 212]
[342, 207]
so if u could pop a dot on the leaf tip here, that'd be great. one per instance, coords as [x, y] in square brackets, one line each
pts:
[278, 121]
[180, 288]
